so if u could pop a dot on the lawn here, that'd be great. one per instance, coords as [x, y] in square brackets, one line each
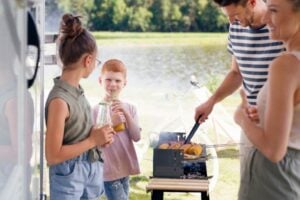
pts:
[128, 38]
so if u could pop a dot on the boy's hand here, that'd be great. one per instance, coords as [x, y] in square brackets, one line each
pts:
[118, 108]
[117, 118]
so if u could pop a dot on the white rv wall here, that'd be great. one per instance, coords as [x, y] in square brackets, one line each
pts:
[19, 139]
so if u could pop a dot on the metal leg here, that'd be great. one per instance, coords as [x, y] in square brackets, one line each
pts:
[204, 196]
[157, 195]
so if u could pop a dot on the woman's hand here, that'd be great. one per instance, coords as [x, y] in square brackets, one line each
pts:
[253, 114]
[245, 110]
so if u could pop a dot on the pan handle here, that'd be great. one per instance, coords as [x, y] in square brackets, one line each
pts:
[193, 131]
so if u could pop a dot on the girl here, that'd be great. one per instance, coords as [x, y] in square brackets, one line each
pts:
[71, 140]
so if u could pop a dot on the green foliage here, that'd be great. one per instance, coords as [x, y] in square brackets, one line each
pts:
[211, 19]
[213, 83]
[118, 13]
[146, 15]
[108, 15]
[77, 7]
[160, 10]
[139, 19]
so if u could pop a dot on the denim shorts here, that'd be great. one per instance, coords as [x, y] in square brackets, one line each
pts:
[117, 189]
[76, 178]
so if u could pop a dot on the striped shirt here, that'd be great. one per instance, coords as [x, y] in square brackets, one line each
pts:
[254, 51]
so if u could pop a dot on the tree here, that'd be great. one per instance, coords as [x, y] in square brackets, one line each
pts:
[160, 10]
[210, 19]
[175, 18]
[118, 14]
[139, 19]
[146, 15]
[78, 7]
[189, 9]
[108, 15]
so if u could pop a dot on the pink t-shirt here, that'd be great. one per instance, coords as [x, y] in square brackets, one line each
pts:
[120, 159]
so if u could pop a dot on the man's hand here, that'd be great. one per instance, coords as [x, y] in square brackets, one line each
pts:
[204, 110]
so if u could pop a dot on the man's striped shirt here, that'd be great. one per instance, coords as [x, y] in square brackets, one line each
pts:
[254, 51]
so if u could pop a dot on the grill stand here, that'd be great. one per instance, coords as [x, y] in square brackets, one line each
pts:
[157, 187]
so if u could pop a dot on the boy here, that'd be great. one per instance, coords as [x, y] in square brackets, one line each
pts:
[120, 159]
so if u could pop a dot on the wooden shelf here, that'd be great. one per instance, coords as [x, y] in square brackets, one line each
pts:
[180, 185]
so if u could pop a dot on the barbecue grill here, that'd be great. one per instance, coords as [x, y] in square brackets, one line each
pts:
[173, 172]
[171, 163]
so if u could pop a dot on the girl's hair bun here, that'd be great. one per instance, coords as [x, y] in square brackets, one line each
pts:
[74, 40]
[71, 26]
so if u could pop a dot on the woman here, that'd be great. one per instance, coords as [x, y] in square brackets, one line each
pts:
[272, 166]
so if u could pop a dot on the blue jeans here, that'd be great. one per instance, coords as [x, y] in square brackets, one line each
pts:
[76, 179]
[117, 189]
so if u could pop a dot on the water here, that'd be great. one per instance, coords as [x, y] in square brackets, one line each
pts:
[167, 66]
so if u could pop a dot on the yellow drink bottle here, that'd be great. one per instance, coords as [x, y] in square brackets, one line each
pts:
[119, 127]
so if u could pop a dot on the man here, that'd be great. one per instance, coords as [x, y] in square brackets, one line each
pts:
[252, 51]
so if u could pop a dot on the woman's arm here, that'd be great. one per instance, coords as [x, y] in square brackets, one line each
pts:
[272, 138]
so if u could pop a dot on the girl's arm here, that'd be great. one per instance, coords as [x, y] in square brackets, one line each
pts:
[272, 138]
[56, 152]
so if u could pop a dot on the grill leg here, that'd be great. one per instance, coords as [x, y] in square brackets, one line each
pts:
[157, 195]
[204, 196]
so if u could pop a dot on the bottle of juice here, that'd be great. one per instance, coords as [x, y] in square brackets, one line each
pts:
[121, 126]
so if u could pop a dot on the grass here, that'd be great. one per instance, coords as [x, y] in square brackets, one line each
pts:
[202, 39]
